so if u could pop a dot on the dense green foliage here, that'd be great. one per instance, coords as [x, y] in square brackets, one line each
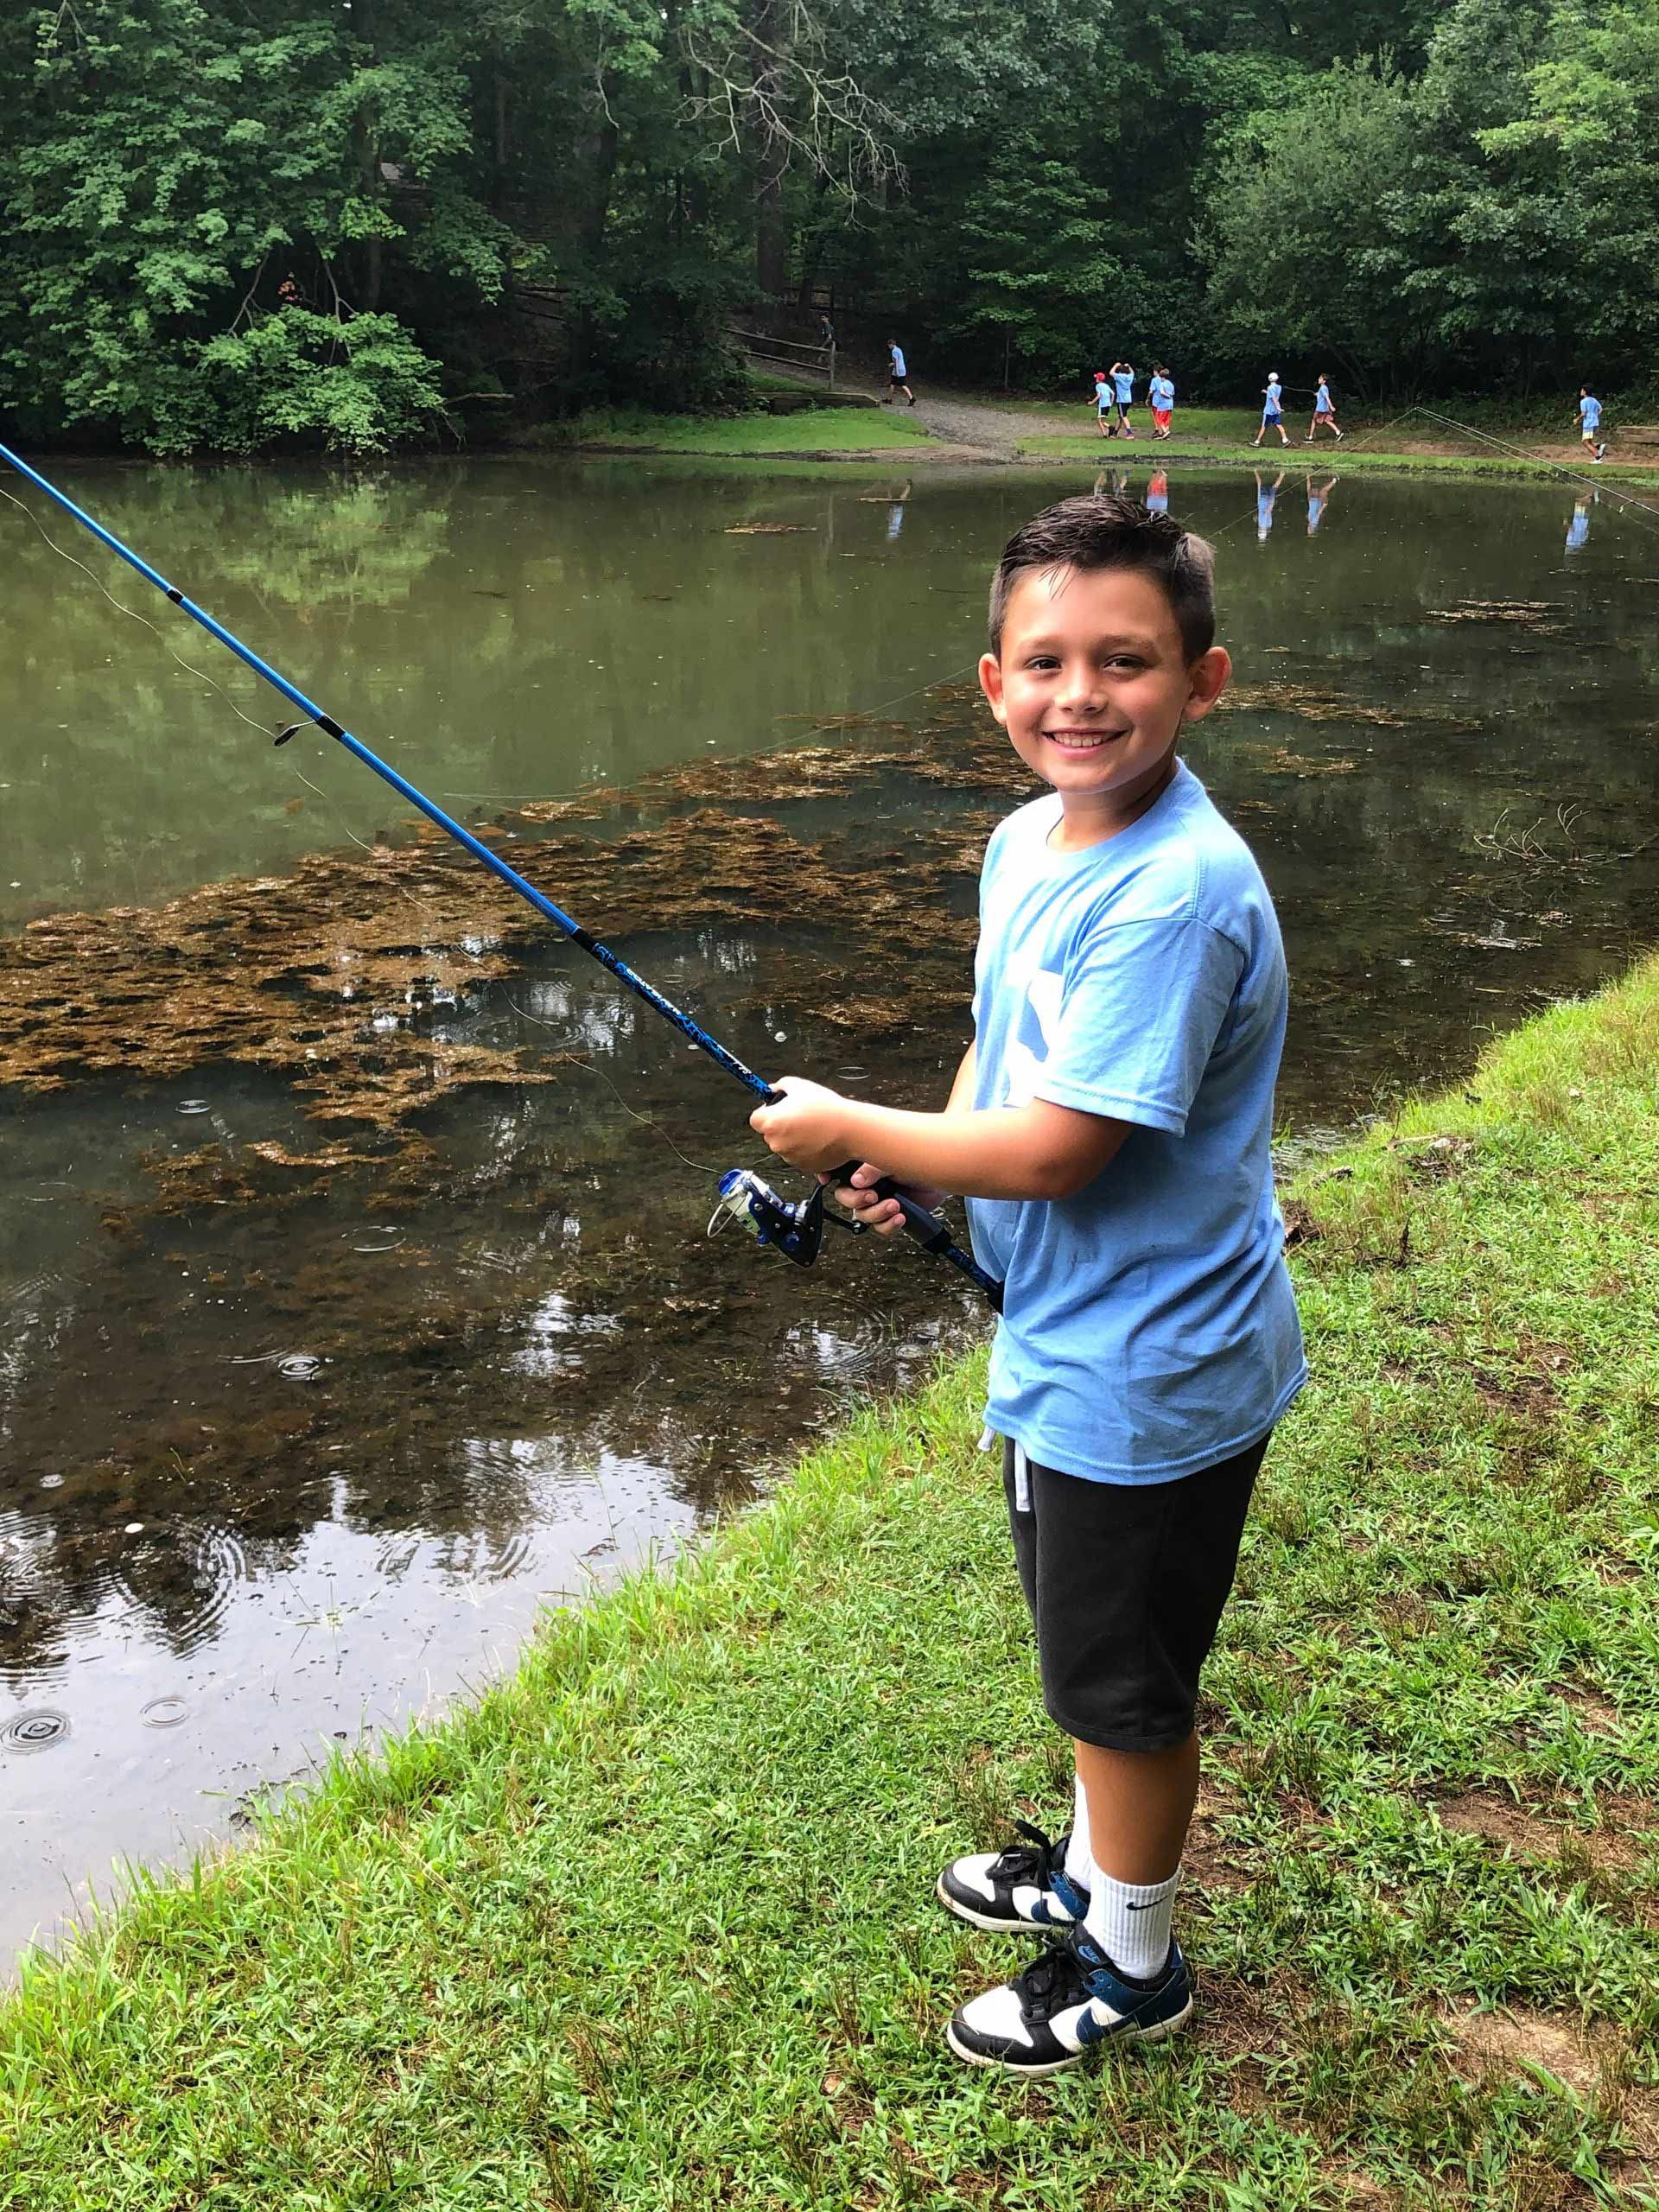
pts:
[349, 224]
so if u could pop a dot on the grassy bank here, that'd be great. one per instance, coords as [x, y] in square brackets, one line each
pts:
[825, 430]
[1381, 441]
[652, 1926]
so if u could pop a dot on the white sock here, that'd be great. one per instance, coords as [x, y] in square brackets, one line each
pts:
[1130, 1924]
[1078, 1864]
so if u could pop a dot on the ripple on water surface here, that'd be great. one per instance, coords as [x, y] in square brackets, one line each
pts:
[34, 1731]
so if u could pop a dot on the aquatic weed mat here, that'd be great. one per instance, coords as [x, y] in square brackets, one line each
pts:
[653, 1925]
[336, 976]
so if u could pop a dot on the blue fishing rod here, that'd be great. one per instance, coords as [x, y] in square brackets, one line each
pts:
[795, 1229]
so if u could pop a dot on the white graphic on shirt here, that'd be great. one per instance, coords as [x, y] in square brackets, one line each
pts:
[1045, 990]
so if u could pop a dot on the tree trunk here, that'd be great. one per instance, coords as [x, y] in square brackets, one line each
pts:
[368, 163]
[601, 168]
[772, 158]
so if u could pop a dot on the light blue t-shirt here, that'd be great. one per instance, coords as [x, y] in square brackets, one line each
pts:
[1148, 1328]
[1271, 398]
[1161, 393]
[1124, 380]
[1322, 399]
[1102, 397]
[897, 353]
[1590, 410]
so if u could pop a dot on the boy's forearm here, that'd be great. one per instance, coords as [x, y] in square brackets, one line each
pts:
[1009, 1152]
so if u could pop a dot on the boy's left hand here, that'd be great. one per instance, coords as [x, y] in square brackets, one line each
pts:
[804, 1127]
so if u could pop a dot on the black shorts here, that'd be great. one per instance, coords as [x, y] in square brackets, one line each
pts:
[1126, 1582]
[895, 380]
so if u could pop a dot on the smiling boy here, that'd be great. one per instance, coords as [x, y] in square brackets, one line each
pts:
[1110, 1125]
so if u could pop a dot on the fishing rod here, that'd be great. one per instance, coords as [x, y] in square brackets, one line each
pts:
[796, 1229]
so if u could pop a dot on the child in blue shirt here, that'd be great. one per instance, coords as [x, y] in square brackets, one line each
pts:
[1273, 409]
[1110, 1125]
[1324, 414]
[1122, 376]
[897, 375]
[1103, 403]
[1589, 422]
[1160, 392]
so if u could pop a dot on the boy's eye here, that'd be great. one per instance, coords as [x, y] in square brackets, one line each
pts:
[1124, 660]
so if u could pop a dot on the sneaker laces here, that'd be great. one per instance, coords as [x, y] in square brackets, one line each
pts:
[1053, 1983]
[1032, 1861]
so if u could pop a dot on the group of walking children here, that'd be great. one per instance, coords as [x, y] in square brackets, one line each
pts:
[1273, 412]
[1115, 400]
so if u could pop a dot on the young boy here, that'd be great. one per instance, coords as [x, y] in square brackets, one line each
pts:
[1273, 409]
[1111, 1124]
[1161, 393]
[1122, 375]
[896, 373]
[1590, 422]
[1104, 406]
[1325, 414]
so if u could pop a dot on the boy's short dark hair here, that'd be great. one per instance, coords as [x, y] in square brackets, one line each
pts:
[1107, 531]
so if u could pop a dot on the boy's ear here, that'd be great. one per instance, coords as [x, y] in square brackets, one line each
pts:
[990, 683]
[1207, 679]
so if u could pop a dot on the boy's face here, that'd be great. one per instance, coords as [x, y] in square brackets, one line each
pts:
[1093, 684]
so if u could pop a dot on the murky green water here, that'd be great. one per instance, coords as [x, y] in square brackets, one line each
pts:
[300, 1419]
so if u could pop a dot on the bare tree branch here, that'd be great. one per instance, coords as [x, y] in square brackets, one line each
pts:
[781, 93]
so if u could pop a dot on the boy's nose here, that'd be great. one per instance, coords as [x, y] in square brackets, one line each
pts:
[1081, 693]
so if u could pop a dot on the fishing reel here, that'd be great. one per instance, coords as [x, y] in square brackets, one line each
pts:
[796, 1230]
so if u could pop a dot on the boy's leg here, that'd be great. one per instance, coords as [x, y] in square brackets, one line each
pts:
[1127, 1585]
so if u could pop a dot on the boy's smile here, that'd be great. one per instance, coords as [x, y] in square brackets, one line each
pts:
[1093, 685]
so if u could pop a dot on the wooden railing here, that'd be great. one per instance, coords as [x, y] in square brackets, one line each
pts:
[789, 353]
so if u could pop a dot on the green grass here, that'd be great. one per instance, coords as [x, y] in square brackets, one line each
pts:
[651, 1926]
[1378, 442]
[814, 430]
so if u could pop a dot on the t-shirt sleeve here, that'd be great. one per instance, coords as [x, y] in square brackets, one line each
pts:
[1142, 1006]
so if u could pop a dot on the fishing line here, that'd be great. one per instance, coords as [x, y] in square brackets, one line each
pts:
[201, 676]
[794, 1229]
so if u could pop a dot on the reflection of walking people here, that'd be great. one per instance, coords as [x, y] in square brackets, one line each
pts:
[1158, 493]
[1590, 422]
[1273, 409]
[896, 512]
[1265, 496]
[896, 374]
[1122, 376]
[1161, 394]
[1316, 500]
[1577, 530]
[1324, 413]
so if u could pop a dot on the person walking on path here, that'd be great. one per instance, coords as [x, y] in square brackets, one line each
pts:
[1590, 422]
[1122, 376]
[1324, 414]
[896, 374]
[1161, 393]
[1111, 1126]
[1273, 409]
[1103, 403]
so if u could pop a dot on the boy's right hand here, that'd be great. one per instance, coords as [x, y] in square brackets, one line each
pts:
[884, 1215]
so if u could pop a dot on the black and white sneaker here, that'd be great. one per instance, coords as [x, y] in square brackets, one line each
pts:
[1065, 2002]
[1027, 1886]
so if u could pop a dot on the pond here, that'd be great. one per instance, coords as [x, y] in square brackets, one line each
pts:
[357, 1297]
